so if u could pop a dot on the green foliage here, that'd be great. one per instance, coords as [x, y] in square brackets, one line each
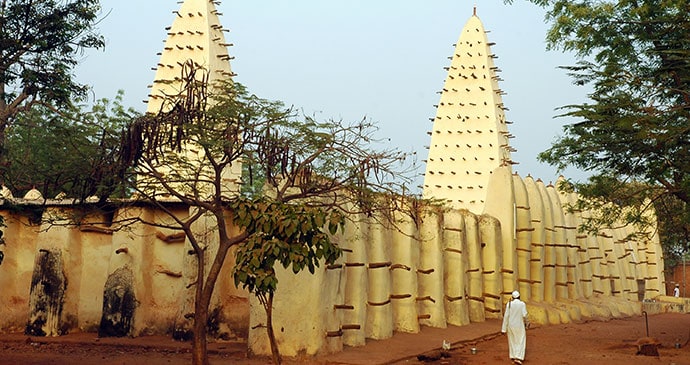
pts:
[610, 202]
[72, 151]
[38, 44]
[634, 133]
[674, 228]
[636, 57]
[289, 234]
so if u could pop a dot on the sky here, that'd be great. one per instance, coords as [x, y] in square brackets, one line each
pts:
[349, 59]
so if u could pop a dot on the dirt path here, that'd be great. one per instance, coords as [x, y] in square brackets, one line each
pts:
[596, 343]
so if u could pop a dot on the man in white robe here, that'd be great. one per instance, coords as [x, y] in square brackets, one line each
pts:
[514, 325]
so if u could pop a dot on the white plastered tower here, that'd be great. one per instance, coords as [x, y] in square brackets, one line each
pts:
[469, 138]
[196, 35]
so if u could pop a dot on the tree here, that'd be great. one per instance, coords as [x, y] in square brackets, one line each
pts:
[634, 133]
[311, 172]
[289, 234]
[674, 229]
[39, 42]
[70, 152]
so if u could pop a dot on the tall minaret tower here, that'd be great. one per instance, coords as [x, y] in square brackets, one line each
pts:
[195, 35]
[469, 138]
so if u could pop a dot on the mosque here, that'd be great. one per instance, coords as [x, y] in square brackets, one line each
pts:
[493, 233]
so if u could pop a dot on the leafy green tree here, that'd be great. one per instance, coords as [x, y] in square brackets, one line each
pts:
[674, 229]
[39, 45]
[71, 152]
[634, 132]
[285, 234]
[312, 173]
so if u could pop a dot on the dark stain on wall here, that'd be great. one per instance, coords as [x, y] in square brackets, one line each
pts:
[183, 330]
[47, 296]
[181, 333]
[119, 304]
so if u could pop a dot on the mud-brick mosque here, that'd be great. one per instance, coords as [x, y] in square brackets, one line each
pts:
[495, 232]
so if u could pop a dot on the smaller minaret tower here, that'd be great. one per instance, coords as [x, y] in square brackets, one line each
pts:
[469, 138]
[195, 35]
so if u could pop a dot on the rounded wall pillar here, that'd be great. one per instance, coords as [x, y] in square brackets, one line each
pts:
[492, 254]
[523, 233]
[456, 264]
[430, 273]
[379, 324]
[475, 276]
[404, 260]
[355, 258]
[538, 240]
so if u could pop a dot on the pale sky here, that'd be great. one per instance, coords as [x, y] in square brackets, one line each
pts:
[347, 59]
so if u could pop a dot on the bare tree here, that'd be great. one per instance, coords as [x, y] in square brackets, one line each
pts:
[301, 178]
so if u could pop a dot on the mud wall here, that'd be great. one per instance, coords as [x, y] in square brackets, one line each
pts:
[136, 280]
[443, 267]
[452, 267]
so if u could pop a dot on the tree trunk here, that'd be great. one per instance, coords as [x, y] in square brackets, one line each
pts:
[199, 344]
[202, 300]
[5, 113]
[4, 119]
[268, 306]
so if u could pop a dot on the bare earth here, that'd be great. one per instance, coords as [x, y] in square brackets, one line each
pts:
[612, 342]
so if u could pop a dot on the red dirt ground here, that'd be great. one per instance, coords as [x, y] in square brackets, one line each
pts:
[597, 343]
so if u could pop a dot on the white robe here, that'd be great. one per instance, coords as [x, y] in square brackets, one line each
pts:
[514, 325]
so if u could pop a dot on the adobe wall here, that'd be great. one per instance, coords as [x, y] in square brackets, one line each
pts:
[117, 281]
[446, 267]
[453, 267]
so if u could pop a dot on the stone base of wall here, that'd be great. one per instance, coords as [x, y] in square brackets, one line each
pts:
[666, 304]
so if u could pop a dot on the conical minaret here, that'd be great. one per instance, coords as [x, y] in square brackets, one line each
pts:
[469, 138]
[197, 35]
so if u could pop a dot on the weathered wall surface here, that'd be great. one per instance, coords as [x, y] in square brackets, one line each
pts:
[452, 267]
[445, 267]
[448, 266]
[139, 280]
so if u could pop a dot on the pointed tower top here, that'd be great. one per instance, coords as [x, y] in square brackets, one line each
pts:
[195, 35]
[474, 11]
[469, 137]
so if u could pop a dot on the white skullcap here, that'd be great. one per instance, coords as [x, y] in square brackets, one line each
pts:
[516, 294]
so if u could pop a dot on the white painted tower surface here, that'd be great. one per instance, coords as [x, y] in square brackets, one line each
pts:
[195, 35]
[469, 138]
